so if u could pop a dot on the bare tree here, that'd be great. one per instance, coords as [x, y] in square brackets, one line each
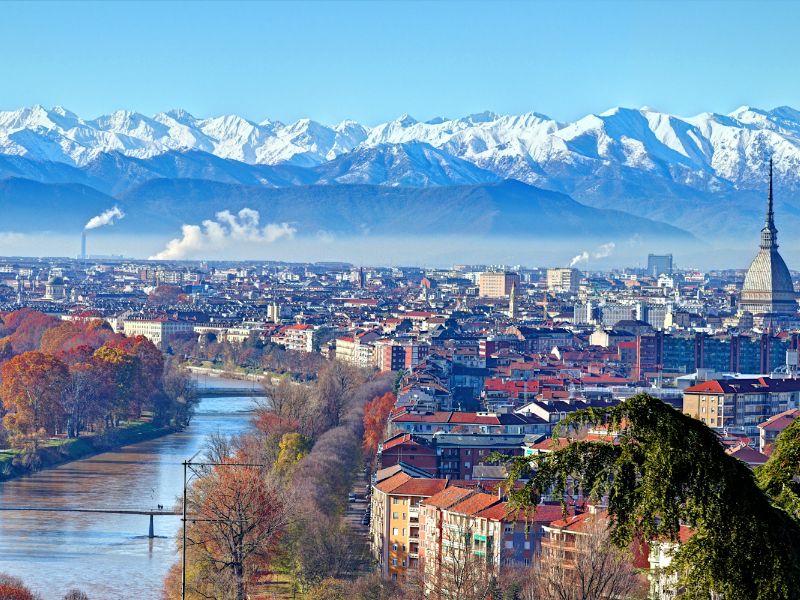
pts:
[464, 571]
[584, 565]
[239, 512]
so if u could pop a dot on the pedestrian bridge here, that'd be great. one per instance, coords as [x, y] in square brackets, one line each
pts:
[160, 512]
[230, 392]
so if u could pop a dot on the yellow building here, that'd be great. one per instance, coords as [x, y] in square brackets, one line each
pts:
[394, 523]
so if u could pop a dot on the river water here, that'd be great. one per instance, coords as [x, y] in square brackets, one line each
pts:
[109, 556]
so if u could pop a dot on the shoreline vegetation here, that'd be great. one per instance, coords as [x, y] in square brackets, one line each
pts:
[74, 388]
[59, 451]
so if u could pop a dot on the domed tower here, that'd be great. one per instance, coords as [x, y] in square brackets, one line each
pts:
[768, 287]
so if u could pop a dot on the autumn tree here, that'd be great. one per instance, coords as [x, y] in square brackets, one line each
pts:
[83, 396]
[376, 416]
[12, 588]
[120, 369]
[147, 370]
[32, 385]
[239, 513]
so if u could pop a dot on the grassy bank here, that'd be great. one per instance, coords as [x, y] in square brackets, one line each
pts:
[54, 452]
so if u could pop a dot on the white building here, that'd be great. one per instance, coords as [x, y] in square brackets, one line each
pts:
[156, 330]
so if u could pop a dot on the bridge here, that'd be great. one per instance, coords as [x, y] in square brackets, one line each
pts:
[113, 511]
[232, 392]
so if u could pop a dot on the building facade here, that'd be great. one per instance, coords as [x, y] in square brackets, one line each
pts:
[497, 284]
[565, 280]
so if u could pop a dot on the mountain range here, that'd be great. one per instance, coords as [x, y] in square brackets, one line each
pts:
[704, 174]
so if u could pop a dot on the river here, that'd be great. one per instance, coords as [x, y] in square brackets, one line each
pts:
[109, 556]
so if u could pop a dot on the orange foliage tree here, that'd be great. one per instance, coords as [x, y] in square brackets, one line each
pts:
[12, 588]
[31, 392]
[376, 415]
[239, 513]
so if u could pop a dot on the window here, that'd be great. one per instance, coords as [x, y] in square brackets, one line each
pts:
[394, 547]
[394, 531]
[508, 528]
[394, 562]
[395, 515]
[395, 500]
[527, 545]
[509, 545]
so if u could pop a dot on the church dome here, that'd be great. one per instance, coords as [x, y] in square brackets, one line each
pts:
[768, 286]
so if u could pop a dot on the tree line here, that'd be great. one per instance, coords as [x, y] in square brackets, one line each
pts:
[281, 511]
[63, 378]
[253, 353]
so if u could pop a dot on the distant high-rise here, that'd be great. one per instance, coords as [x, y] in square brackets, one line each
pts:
[83, 245]
[659, 264]
[768, 287]
[496, 284]
[563, 280]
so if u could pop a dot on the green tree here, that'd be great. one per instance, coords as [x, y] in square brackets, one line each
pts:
[666, 469]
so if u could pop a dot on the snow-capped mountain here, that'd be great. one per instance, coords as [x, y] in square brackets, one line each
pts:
[709, 152]
[693, 171]
[61, 136]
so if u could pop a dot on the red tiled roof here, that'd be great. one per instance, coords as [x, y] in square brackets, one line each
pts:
[747, 454]
[420, 487]
[780, 421]
[745, 386]
[576, 522]
[475, 504]
[448, 497]
[395, 481]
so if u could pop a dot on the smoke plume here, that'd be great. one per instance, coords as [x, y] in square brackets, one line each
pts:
[603, 251]
[228, 229]
[582, 257]
[105, 218]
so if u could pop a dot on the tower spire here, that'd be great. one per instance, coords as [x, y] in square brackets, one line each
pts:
[769, 233]
[770, 214]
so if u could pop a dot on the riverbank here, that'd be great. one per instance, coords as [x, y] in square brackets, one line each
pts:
[242, 374]
[51, 453]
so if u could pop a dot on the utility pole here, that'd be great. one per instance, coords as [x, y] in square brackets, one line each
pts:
[183, 568]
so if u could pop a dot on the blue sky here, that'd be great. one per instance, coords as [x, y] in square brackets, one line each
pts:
[372, 61]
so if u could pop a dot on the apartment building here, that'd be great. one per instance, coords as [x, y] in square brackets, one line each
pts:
[447, 455]
[299, 338]
[357, 349]
[563, 280]
[497, 284]
[740, 403]
[468, 529]
[394, 522]
[399, 355]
